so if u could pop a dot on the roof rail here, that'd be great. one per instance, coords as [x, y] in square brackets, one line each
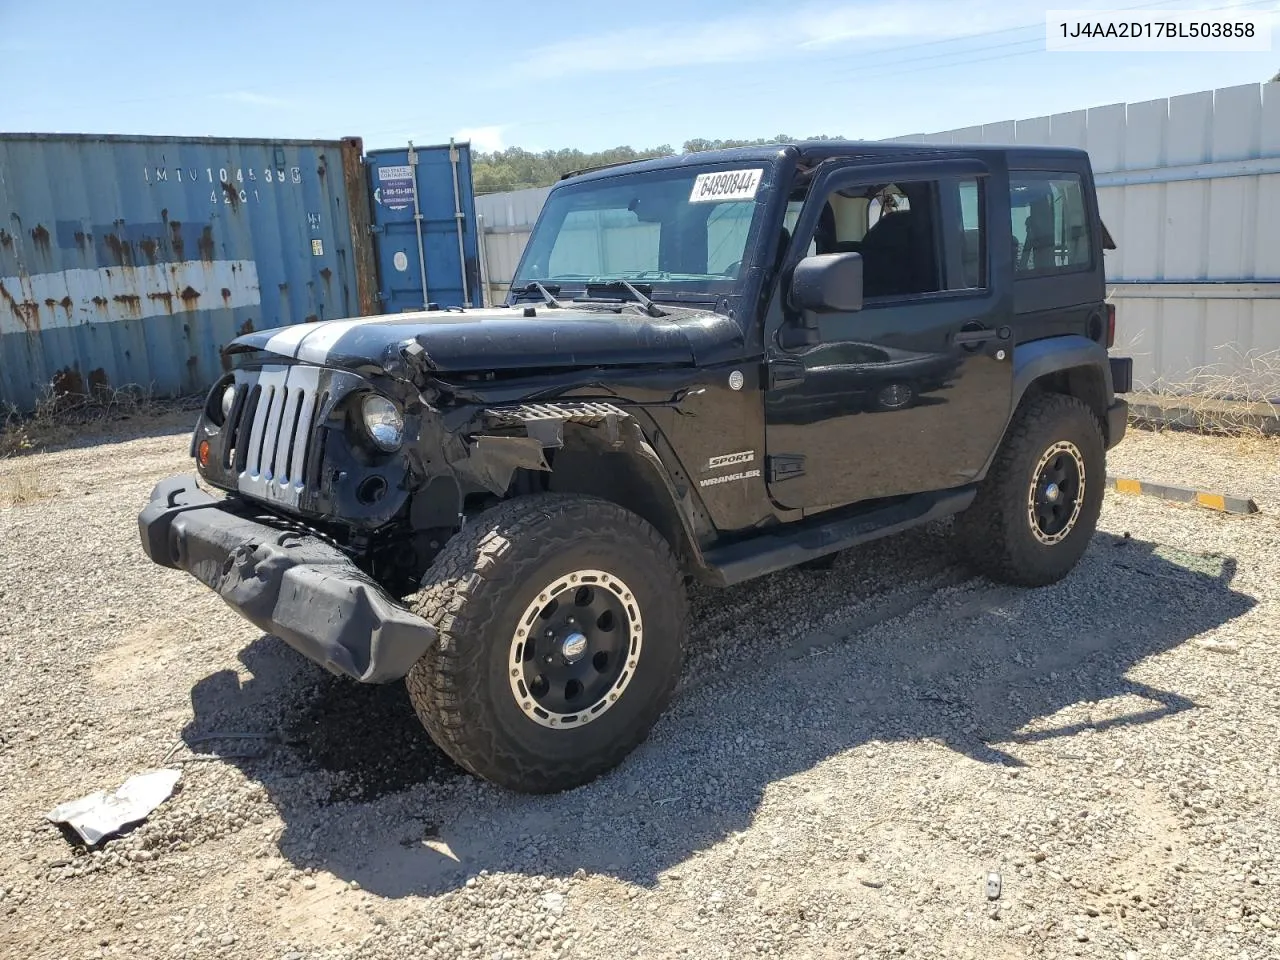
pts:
[604, 166]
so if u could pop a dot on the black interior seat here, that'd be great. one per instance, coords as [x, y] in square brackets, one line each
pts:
[888, 251]
[825, 235]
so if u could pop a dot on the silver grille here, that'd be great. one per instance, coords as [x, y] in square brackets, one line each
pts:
[273, 427]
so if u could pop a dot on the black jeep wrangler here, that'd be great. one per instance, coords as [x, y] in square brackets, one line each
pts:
[708, 368]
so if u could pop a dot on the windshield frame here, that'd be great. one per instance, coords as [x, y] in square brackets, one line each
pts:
[702, 290]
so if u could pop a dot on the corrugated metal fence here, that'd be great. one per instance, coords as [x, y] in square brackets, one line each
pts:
[505, 222]
[1190, 189]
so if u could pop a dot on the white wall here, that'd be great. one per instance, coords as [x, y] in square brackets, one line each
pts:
[1189, 188]
[507, 219]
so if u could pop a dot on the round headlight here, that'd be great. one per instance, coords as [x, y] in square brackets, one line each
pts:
[383, 422]
[228, 398]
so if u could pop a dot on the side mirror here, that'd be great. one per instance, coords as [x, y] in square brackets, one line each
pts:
[828, 282]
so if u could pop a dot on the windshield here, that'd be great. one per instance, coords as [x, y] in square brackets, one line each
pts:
[678, 231]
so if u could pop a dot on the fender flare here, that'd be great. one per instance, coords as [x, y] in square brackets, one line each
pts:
[566, 428]
[1041, 358]
[1037, 359]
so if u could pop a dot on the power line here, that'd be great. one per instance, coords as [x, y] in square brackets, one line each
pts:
[896, 68]
[875, 71]
[1252, 3]
[862, 70]
[875, 53]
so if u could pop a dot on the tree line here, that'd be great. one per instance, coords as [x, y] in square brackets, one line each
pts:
[519, 169]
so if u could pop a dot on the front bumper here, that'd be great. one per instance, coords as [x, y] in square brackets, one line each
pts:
[288, 583]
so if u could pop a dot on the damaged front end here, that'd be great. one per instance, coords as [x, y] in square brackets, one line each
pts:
[332, 517]
[287, 580]
[344, 479]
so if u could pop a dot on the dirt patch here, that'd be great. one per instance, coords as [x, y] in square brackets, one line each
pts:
[144, 654]
[370, 736]
[859, 747]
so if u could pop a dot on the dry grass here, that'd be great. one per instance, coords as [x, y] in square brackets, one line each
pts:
[1248, 445]
[1238, 396]
[20, 483]
[60, 417]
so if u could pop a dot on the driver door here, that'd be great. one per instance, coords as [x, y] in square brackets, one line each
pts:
[911, 392]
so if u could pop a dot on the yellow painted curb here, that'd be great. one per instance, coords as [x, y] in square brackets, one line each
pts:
[1205, 498]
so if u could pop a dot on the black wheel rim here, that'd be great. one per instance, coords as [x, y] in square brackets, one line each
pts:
[575, 649]
[1057, 493]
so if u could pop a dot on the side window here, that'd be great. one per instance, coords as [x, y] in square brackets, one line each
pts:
[905, 238]
[1048, 222]
[792, 215]
[973, 235]
[895, 229]
[794, 206]
[889, 200]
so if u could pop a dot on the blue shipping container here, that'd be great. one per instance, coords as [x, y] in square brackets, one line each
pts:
[134, 260]
[424, 223]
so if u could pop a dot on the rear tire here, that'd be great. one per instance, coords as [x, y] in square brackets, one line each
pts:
[1037, 509]
[538, 701]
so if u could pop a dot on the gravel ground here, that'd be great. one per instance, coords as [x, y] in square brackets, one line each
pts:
[851, 753]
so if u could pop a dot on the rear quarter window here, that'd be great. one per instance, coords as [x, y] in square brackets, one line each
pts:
[1049, 223]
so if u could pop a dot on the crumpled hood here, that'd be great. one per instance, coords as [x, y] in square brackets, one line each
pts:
[501, 339]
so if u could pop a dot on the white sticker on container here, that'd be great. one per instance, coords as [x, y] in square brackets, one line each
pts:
[401, 261]
[317, 248]
[725, 185]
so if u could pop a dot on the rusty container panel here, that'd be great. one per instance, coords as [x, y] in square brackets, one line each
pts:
[131, 261]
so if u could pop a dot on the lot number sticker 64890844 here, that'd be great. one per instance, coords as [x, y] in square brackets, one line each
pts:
[725, 185]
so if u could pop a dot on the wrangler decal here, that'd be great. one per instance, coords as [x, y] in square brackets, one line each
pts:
[729, 477]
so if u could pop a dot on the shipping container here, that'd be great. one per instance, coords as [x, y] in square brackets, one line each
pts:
[424, 220]
[131, 261]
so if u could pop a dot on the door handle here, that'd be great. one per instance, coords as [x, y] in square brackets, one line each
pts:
[972, 335]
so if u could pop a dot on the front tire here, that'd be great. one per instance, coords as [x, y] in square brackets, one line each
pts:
[1037, 509]
[562, 622]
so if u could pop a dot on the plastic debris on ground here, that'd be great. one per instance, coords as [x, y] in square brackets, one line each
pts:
[101, 814]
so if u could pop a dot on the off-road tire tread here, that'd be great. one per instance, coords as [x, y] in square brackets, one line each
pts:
[995, 520]
[493, 547]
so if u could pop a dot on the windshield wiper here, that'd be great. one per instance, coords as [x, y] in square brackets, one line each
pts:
[651, 308]
[533, 286]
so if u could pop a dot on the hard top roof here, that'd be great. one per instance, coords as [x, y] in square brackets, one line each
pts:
[815, 151]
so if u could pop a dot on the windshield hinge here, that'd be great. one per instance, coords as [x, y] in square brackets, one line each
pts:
[784, 373]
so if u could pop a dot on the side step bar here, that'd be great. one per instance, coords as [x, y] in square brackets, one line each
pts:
[795, 543]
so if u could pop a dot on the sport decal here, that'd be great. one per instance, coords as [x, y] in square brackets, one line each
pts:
[746, 456]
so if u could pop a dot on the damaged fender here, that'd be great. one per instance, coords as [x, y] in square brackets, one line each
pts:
[493, 459]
